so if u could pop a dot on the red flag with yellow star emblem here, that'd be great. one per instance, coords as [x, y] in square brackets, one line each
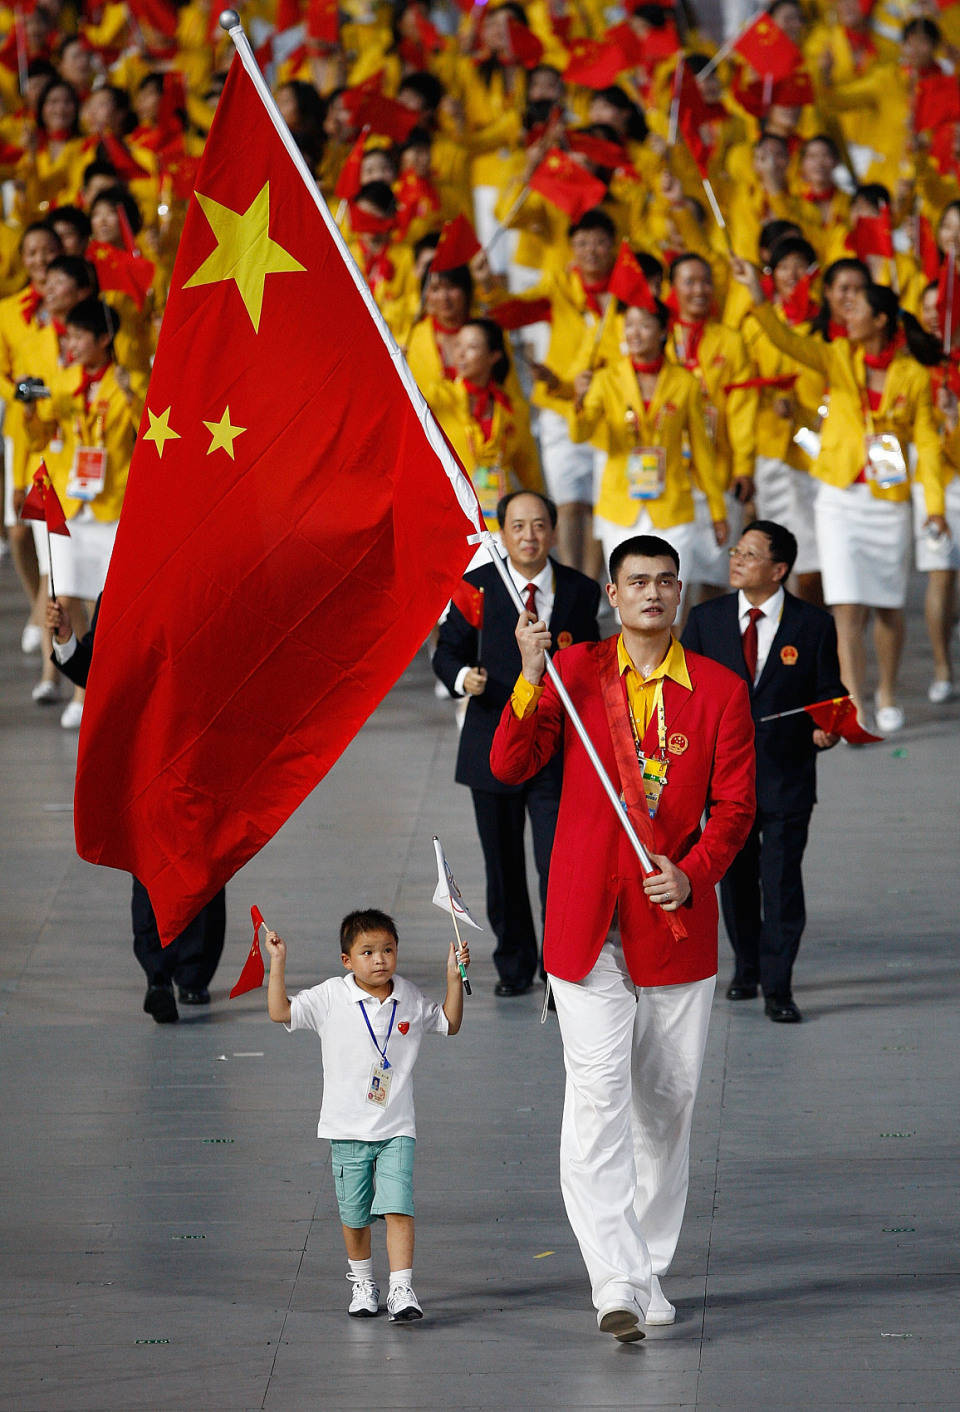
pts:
[294, 524]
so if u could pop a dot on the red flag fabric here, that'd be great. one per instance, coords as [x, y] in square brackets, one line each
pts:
[800, 305]
[767, 49]
[323, 22]
[525, 47]
[348, 182]
[660, 43]
[251, 977]
[699, 147]
[937, 101]
[41, 502]
[469, 600]
[123, 272]
[520, 313]
[157, 15]
[839, 717]
[928, 253]
[121, 159]
[331, 527]
[288, 14]
[872, 235]
[948, 300]
[628, 282]
[567, 184]
[457, 245]
[600, 152]
[595, 63]
[386, 116]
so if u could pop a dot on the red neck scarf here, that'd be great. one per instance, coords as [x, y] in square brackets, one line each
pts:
[449, 370]
[880, 362]
[810, 193]
[481, 403]
[378, 268]
[836, 330]
[592, 289]
[692, 334]
[649, 368]
[30, 302]
[446, 329]
[861, 44]
[89, 378]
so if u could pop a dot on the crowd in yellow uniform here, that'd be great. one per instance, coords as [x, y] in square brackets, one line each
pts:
[789, 204]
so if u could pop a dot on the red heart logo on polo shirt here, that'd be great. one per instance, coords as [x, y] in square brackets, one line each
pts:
[403, 1026]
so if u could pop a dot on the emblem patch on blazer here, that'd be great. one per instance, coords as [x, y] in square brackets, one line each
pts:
[677, 743]
[564, 639]
[788, 655]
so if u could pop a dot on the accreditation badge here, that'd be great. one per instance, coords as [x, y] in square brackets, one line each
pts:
[654, 775]
[88, 472]
[378, 1089]
[488, 482]
[646, 472]
[886, 465]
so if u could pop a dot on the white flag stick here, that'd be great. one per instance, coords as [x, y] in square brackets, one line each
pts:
[948, 313]
[724, 49]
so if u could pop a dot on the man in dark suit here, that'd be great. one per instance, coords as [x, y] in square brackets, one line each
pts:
[191, 958]
[786, 650]
[484, 666]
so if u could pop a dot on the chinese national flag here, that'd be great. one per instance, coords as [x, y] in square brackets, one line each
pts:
[601, 152]
[385, 116]
[628, 283]
[469, 601]
[323, 22]
[937, 101]
[122, 271]
[928, 253]
[122, 159]
[457, 245]
[525, 47]
[768, 50]
[594, 63]
[348, 182]
[839, 717]
[287, 540]
[567, 184]
[41, 502]
[520, 313]
[872, 235]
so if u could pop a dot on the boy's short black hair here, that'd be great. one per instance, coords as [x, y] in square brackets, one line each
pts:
[647, 546]
[783, 543]
[366, 919]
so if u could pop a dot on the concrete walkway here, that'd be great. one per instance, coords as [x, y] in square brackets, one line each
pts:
[169, 1234]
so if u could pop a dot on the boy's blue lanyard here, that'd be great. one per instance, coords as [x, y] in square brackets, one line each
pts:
[366, 1018]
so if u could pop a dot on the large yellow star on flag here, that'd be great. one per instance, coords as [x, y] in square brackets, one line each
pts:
[223, 435]
[244, 252]
[160, 430]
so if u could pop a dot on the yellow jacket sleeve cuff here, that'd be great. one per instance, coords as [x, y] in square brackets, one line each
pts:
[524, 699]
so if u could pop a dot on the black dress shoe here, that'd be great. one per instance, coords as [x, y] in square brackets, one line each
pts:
[782, 1010]
[200, 996]
[502, 989]
[737, 991]
[159, 1003]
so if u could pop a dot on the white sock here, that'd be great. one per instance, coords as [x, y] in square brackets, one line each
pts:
[401, 1277]
[362, 1269]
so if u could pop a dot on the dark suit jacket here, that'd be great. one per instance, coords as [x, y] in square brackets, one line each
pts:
[77, 667]
[786, 754]
[575, 606]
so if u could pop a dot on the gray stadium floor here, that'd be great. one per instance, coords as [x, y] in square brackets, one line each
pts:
[170, 1238]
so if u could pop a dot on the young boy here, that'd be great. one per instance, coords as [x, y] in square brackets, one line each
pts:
[370, 1024]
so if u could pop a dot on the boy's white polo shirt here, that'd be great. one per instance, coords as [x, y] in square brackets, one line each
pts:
[333, 1009]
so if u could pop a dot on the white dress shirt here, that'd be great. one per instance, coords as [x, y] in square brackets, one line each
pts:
[766, 626]
[546, 592]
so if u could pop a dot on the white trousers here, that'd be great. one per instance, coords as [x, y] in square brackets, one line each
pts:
[633, 1057]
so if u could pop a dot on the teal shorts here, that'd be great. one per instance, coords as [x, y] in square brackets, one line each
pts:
[373, 1179]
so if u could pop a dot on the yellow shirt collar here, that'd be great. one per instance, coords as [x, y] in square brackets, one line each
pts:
[674, 665]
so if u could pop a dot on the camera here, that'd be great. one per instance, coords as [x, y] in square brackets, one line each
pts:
[31, 390]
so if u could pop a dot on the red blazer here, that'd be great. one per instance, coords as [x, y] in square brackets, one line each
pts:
[593, 867]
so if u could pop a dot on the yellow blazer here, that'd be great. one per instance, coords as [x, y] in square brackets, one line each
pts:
[577, 336]
[905, 411]
[112, 421]
[38, 356]
[774, 431]
[723, 359]
[674, 411]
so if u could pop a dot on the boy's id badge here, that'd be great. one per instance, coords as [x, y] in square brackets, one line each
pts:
[88, 472]
[646, 472]
[886, 466]
[378, 1089]
[654, 775]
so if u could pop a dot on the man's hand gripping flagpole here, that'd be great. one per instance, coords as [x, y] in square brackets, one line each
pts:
[466, 497]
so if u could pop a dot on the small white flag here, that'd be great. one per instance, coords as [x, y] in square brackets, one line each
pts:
[448, 894]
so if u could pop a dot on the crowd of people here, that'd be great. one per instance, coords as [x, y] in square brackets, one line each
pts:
[703, 283]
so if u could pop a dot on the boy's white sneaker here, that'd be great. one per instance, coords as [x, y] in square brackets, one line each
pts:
[365, 1301]
[402, 1304]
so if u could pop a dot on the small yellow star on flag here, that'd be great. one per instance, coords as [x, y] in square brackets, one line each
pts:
[160, 430]
[222, 434]
[244, 252]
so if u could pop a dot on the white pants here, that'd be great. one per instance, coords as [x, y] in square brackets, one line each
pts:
[633, 1057]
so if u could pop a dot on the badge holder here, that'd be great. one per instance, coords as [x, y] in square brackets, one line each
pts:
[647, 472]
[886, 466]
[88, 472]
[378, 1089]
[488, 482]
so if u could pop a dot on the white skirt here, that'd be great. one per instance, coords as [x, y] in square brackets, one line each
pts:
[806, 493]
[568, 466]
[80, 563]
[942, 553]
[773, 497]
[788, 497]
[711, 561]
[864, 547]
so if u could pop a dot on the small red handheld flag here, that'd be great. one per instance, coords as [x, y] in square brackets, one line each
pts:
[937, 101]
[251, 977]
[839, 717]
[42, 503]
[520, 313]
[469, 601]
[348, 182]
[567, 184]
[525, 47]
[871, 235]
[628, 282]
[768, 50]
[457, 246]
[386, 116]
[594, 63]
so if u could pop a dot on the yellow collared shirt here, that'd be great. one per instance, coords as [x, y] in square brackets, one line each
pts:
[525, 697]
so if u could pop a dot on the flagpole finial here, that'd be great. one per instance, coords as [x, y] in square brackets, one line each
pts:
[229, 19]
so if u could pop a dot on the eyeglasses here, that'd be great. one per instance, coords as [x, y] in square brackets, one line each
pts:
[737, 553]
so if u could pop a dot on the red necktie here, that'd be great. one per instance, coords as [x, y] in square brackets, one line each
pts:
[531, 603]
[750, 644]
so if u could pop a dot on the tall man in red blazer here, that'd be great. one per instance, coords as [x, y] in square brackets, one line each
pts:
[632, 961]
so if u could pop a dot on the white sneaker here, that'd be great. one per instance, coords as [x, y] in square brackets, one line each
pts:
[72, 716]
[890, 719]
[402, 1304]
[45, 693]
[365, 1300]
[659, 1310]
[31, 639]
[940, 691]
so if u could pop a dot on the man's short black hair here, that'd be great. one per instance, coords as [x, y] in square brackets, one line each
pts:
[594, 219]
[783, 544]
[503, 504]
[366, 919]
[647, 546]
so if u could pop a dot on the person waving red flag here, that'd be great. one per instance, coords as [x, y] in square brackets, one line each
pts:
[287, 541]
